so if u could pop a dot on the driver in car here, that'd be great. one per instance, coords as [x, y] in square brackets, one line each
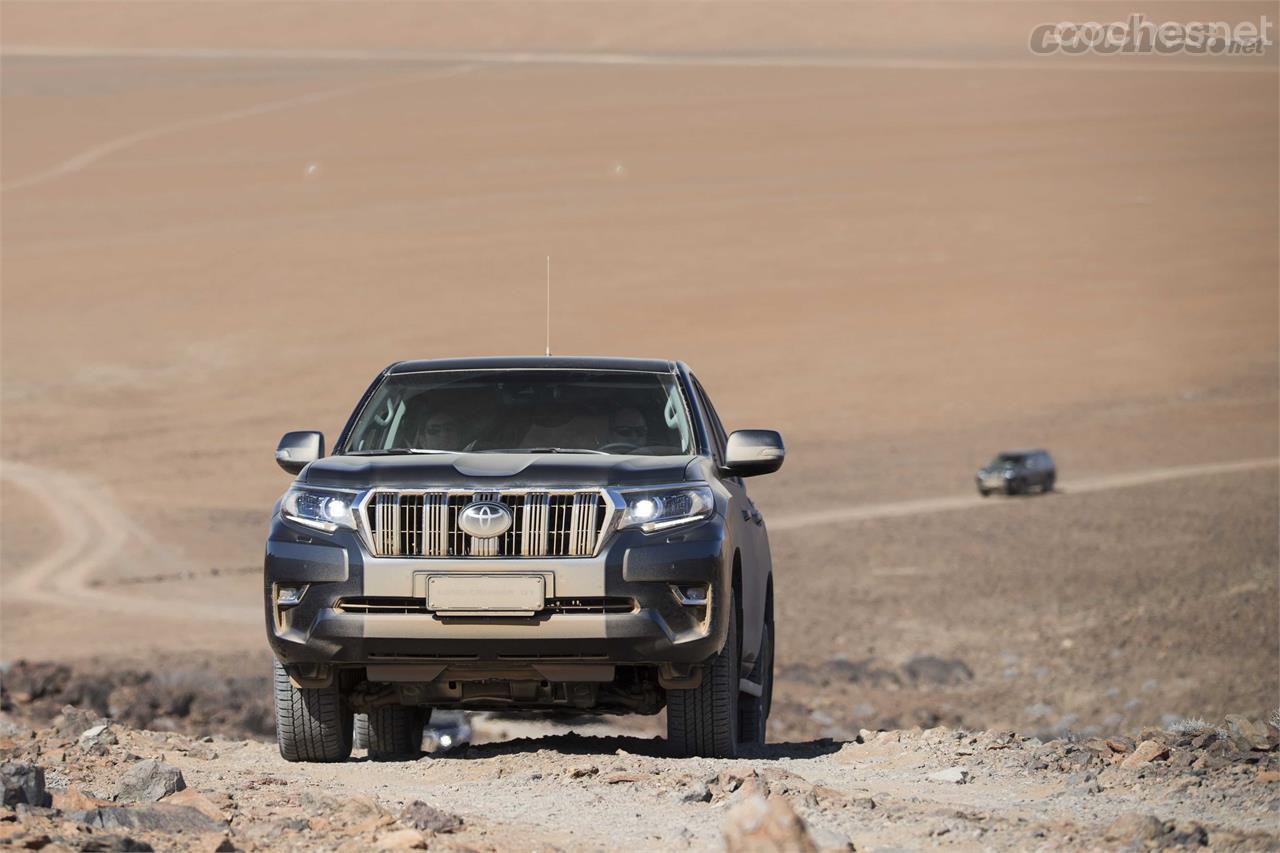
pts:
[627, 426]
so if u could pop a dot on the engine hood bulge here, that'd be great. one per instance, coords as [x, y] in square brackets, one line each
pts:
[499, 470]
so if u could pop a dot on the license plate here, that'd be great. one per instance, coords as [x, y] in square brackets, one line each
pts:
[486, 593]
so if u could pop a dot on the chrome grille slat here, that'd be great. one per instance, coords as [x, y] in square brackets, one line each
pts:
[534, 524]
[424, 523]
[437, 526]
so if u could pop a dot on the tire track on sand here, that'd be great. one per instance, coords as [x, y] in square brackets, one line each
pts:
[92, 533]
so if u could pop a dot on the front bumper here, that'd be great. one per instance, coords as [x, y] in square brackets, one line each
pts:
[334, 568]
[991, 482]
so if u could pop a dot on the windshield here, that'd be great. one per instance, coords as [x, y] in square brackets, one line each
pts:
[525, 411]
[1008, 460]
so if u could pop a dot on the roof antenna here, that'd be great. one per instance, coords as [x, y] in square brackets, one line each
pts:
[548, 306]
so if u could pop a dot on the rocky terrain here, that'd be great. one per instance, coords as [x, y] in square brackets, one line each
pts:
[83, 782]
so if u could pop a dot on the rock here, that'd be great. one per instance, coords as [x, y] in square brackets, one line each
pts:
[757, 825]
[149, 781]
[74, 800]
[824, 797]
[10, 728]
[623, 776]
[730, 781]
[927, 669]
[99, 735]
[1248, 734]
[1145, 753]
[1135, 828]
[192, 798]
[402, 839]
[1120, 744]
[1267, 776]
[428, 818]
[23, 783]
[698, 792]
[583, 770]
[72, 721]
[952, 775]
[1189, 834]
[113, 843]
[152, 817]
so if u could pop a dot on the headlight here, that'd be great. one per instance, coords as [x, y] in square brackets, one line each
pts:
[657, 509]
[323, 509]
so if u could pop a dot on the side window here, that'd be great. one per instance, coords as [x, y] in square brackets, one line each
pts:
[717, 428]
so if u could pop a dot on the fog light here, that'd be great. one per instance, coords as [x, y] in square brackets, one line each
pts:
[692, 596]
[287, 596]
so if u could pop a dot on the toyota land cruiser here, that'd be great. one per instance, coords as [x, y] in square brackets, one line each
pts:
[541, 534]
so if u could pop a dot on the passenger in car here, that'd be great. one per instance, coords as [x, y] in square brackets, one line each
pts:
[439, 431]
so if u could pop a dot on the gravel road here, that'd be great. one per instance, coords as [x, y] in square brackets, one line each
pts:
[1215, 785]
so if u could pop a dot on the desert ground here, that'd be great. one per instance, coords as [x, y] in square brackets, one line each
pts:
[890, 233]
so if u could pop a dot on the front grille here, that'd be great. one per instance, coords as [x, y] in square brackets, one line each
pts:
[606, 604]
[545, 524]
[385, 604]
[405, 605]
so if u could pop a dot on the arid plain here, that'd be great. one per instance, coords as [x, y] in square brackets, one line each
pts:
[220, 222]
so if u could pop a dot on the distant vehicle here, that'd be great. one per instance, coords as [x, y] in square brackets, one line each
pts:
[445, 730]
[1017, 471]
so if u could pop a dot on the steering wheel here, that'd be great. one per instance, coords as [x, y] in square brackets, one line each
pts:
[617, 447]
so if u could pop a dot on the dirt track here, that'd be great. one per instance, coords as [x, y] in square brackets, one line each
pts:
[904, 264]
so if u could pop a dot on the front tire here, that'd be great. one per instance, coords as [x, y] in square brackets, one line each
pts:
[753, 713]
[312, 723]
[395, 732]
[703, 720]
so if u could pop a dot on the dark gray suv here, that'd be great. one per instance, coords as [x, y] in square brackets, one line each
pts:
[541, 534]
[1016, 471]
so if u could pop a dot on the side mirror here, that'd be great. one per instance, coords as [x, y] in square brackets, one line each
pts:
[297, 450]
[754, 451]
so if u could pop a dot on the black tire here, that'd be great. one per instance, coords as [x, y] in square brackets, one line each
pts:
[1011, 487]
[312, 723]
[395, 731]
[984, 492]
[360, 737]
[753, 711]
[1049, 482]
[703, 721]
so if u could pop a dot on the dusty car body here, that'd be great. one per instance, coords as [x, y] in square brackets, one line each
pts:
[1014, 472]
[541, 533]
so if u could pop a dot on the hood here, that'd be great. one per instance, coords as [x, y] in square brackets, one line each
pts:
[498, 470]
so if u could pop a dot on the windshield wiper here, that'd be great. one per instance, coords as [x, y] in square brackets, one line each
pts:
[394, 451]
[543, 450]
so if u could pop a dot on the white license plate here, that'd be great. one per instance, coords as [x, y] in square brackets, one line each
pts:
[486, 593]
